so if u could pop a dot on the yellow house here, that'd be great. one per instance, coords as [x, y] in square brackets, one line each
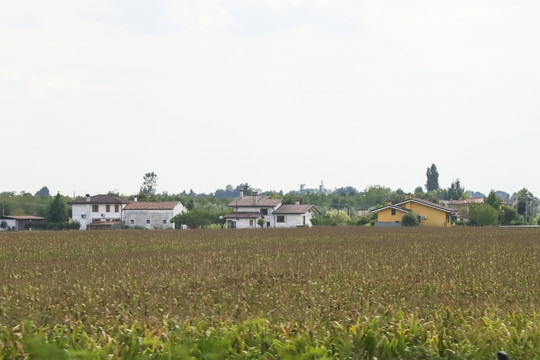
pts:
[429, 214]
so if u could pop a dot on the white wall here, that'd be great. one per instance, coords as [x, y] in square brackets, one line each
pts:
[84, 215]
[244, 223]
[294, 220]
[11, 223]
[152, 219]
[149, 219]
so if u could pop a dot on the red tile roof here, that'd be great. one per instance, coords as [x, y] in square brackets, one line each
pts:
[167, 205]
[22, 217]
[391, 207]
[261, 201]
[101, 199]
[295, 209]
[426, 203]
[242, 215]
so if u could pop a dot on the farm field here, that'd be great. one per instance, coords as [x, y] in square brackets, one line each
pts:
[320, 293]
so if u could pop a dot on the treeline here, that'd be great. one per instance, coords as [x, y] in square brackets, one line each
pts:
[342, 206]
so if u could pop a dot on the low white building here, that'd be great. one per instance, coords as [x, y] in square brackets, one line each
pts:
[152, 215]
[297, 215]
[98, 211]
[19, 222]
[247, 210]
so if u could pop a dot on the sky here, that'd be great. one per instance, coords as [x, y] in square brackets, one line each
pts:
[275, 93]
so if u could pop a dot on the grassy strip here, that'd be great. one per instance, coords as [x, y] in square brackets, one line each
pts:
[393, 335]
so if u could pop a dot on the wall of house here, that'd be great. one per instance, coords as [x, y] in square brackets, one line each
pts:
[244, 223]
[295, 220]
[429, 216]
[149, 219]
[11, 224]
[387, 217]
[84, 215]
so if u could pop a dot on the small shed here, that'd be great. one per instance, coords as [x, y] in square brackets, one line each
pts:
[18, 222]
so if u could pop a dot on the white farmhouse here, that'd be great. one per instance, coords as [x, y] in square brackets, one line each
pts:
[247, 210]
[152, 215]
[98, 211]
[297, 215]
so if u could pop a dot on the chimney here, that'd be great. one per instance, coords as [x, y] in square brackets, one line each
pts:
[87, 197]
[408, 197]
[135, 199]
[241, 192]
[297, 201]
[255, 198]
[387, 203]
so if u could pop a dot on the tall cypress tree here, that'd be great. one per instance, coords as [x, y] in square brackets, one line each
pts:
[57, 212]
[432, 178]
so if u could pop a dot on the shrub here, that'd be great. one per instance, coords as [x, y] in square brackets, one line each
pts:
[333, 217]
[483, 215]
[75, 225]
[409, 219]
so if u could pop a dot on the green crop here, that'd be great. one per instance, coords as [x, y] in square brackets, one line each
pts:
[321, 293]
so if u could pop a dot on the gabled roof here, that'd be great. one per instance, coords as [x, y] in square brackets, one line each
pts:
[242, 215]
[426, 203]
[167, 205]
[395, 207]
[21, 217]
[249, 201]
[296, 209]
[101, 199]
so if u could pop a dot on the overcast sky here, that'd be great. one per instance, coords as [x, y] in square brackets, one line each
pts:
[276, 93]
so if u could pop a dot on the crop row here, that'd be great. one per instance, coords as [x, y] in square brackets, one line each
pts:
[418, 292]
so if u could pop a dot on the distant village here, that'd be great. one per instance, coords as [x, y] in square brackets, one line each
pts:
[246, 208]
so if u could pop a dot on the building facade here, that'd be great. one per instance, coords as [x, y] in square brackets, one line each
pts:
[98, 211]
[429, 214]
[248, 210]
[152, 215]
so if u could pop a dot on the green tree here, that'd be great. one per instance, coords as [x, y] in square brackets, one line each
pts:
[507, 215]
[248, 190]
[333, 217]
[197, 218]
[149, 184]
[409, 219]
[483, 215]
[493, 199]
[44, 191]
[526, 204]
[190, 205]
[57, 212]
[3, 224]
[260, 222]
[455, 191]
[432, 178]
[376, 195]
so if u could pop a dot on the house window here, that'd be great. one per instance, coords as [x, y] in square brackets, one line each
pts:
[251, 222]
[264, 211]
[107, 208]
[95, 208]
[393, 212]
[281, 219]
[83, 216]
[164, 221]
[147, 221]
[132, 221]
[116, 208]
